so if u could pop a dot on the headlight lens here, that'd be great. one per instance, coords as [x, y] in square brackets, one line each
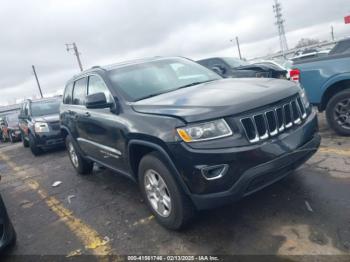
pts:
[41, 127]
[205, 131]
[304, 98]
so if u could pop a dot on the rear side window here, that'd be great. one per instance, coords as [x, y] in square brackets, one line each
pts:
[67, 97]
[79, 91]
[97, 85]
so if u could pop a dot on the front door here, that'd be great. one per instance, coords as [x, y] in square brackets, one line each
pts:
[102, 135]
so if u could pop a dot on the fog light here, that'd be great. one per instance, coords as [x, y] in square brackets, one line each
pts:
[214, 172]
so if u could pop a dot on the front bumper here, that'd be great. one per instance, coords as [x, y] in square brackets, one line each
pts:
[49, 139]
[16, 134]
[250, 168]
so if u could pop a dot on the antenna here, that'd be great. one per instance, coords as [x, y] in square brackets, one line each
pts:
[277, 9]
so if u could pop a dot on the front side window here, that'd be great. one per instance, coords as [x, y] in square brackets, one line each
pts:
[26, 109]
[46, 107]
[79, 91]
[97, 85]
[148, 79]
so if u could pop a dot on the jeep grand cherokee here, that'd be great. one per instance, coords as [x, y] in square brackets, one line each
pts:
[189, 138]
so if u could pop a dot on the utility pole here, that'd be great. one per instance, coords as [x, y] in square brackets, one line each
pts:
[277, 9]
[37, 81]
[238, 47]
[74, 47]
[332, 32]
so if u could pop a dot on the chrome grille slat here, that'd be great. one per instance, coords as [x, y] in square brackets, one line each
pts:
[273, 121]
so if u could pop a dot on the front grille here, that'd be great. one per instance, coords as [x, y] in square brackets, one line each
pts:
[55, 126]
[275, 120]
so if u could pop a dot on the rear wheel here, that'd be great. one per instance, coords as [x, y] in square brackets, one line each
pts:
[4, 138]
[170, 205]
[338, 112]
[24, 141]
[82, 166]
[33, 146]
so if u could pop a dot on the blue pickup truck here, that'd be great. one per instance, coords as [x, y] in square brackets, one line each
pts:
[327, 84]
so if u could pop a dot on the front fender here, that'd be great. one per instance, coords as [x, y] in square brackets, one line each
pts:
[335, 79]
[165, 156]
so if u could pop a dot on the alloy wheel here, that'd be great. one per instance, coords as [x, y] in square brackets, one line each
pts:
[157, 193]
[73, 155]
[342, 113]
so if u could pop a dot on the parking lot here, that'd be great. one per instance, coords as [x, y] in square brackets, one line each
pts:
[306, 213]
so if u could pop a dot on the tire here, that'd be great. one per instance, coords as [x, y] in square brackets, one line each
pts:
[179, 211]
[338, 113]
[4, 138]
[11, 138]
[24, 141]
[82, 165]
[33, 146]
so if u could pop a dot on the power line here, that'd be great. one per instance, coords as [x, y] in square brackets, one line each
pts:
[37, 81]
[74, 47]
[277, 9]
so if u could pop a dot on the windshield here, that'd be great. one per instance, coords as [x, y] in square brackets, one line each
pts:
[234, 62]
[12, 118]
[42, 108]
[148, 79]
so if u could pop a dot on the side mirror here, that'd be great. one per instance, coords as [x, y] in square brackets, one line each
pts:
[97, 100]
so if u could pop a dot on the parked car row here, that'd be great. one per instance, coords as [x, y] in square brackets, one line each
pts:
[190, 138]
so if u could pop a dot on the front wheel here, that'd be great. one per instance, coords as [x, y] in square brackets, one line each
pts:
[338, 112]
[24, 141]
[11, 137]
[82, 166]
[33, 146]
[170, 205]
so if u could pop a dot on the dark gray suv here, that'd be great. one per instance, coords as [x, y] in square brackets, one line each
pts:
[189, 138]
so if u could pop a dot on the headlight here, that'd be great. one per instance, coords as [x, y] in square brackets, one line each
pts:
[41, 127]
[205, 131]
[304, 98]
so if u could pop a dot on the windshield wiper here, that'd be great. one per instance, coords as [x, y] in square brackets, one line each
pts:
[195, 83]
[188, 85]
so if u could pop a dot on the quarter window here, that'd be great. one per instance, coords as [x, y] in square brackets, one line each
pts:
[79, 91]
[67, 98]
[97, 85]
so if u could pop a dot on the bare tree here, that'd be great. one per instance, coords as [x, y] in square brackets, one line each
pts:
[307, 42]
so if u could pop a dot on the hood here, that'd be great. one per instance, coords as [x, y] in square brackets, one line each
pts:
[218, 98]
[48, 118]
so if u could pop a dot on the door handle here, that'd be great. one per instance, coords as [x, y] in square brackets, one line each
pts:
[87, 114]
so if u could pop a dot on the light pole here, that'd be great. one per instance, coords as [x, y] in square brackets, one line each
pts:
[74, 47]
[238, 47]
[37, 81]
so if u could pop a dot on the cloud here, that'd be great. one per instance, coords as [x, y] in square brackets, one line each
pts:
[107, 31]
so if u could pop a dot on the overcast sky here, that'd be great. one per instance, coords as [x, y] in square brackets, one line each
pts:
[34, 32]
